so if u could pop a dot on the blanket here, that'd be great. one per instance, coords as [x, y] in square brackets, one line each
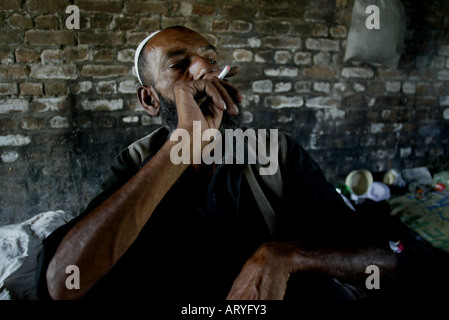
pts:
[20, 245]
[426, 214]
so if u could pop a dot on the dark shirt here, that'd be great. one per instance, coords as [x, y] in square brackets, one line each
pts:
[200, 235]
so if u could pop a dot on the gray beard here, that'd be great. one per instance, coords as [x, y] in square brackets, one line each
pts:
[170, 116]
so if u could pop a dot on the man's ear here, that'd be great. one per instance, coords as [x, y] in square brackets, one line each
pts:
[149, 99]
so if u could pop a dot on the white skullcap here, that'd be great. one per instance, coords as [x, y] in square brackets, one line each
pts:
[139, 49]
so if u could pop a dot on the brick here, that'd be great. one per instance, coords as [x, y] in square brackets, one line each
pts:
[126, 55]
[250, 100]
[149, 24]
[321, 86]
[146, 7]
[322, 44]
[320, 30]
[19, 21]
[241, 26]
[405, 152]
[389, 115]
[444, 101]
[102, 105]
[104, 55]
[51, 56]
[8, 88]
[48, 104]
[124, 23]
[377, 128]
[31, 124]
[128, 86]
[320, 72]
[134, 38]
[220, 25]
[278, 102]
[281, 72]
[323, 102]
[11, 5]
[104, 71]
[101, 38]
[303, 86]
[391, 74]
[26, 55]
[203, 9]
[302, 58]
[423, 88]
[47, 22]
[231, 10]
[183, 8]
[14, 140]
[322, 58]
[340, 87]
[282, 56]
[393, 86]
[100, 21]
[58, 122]
[13, 105]
[285, 119]
[172, 21]
[357, 72]
[130, 120]
[272, 27]
[11, 37]
[76, 54]
[106, 87]
[242, 55]
[47, 5]
[82, 87]
[41, 37]
[409, 87]
[282, 86]
[282, 42]
[109, 6]
[235, 42]
[358, 87]
[56, 88]
[262, 86]
[9, 156]
[6, 57]
[338, 32]
[151, 120]
[66, 71]
[13, 72]
[31, 88]
[7, 125]
[443, 75]
[263, 56]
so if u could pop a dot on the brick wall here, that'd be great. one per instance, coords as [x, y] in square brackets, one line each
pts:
[68, 104]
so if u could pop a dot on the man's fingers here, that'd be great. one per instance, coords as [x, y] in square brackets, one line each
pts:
[230, 104]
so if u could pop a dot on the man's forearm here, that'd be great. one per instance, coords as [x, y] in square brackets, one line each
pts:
[265, 275]
[96, 242]
[342, 263]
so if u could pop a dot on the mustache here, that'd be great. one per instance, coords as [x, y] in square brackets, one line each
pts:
[169, 115]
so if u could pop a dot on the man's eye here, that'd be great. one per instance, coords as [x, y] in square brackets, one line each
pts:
[213, 61]
[178, 65]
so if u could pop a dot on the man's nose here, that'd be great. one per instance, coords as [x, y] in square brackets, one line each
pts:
[200, 66]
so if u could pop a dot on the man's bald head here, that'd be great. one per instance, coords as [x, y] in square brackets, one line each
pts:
[168, 35]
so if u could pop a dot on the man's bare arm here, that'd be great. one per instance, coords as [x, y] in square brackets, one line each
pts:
[265, 275]
[96, 243]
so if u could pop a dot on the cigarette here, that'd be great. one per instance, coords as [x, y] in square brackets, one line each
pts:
[224, 72]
